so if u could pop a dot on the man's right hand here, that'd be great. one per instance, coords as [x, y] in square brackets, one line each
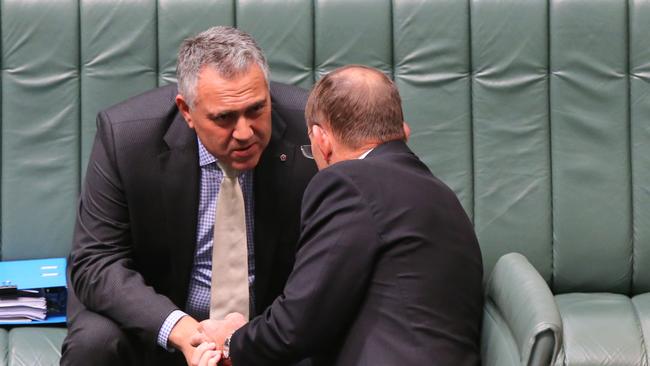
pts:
[218, 330]
[181, 334]
[206, 354]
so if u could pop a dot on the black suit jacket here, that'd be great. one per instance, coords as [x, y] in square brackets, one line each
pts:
[135, 234]
[388, 273]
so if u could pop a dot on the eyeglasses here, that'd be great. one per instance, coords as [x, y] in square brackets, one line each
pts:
[306, 151]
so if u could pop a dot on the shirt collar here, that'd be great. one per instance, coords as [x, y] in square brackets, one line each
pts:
[363, 156]
[205, 158]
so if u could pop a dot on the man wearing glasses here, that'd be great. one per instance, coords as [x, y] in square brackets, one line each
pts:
[388, 270]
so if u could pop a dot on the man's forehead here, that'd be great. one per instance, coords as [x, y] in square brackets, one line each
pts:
[243, 92]
[211, 73]
[221, 108]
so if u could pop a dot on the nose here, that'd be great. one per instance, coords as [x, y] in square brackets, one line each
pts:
[243, 129]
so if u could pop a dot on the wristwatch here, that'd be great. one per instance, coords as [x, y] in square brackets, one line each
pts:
[225, 352]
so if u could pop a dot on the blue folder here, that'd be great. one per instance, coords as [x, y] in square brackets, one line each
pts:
[35, 274]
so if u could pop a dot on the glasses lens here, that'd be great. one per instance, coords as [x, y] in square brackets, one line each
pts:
[306, 151]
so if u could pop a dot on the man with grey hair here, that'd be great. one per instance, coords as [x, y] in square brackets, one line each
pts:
[213, 163]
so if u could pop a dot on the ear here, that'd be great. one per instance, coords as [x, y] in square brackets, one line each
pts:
[407, 130]
[323, 141]
[184, 108]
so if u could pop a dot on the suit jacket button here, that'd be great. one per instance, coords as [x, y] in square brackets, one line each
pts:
[283, 157]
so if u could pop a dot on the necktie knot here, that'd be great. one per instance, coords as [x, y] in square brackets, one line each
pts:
[228, 171]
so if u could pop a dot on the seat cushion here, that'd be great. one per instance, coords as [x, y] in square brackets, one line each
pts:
[35, 346]
[3, 347]
[604, 329]
[642, 306]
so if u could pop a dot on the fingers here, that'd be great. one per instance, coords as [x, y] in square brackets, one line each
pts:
[235, 317]
[217, 331]
[198, 338]
[235, 320]
[215, 359]
[200, 352]
[210, 358]
[210, 326]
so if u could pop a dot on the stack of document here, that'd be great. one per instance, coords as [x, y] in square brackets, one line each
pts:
[22, 308]
[32, 291]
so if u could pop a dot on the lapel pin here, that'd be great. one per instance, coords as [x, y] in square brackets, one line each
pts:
[283, 157]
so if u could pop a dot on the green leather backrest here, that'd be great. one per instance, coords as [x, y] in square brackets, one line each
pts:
[536, 112]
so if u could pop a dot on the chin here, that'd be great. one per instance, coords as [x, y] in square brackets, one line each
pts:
[246, 164]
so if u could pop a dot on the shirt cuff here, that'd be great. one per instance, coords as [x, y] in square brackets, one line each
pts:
[166, 328]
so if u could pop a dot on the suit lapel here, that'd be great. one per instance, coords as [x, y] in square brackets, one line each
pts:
[179, 181]
[272, 184]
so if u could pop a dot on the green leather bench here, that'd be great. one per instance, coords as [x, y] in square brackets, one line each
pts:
[536, 112]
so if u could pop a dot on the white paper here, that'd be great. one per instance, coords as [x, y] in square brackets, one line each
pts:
[22, 309]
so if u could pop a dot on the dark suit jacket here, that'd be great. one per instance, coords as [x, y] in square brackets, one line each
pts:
[135, 235]
[388, 273]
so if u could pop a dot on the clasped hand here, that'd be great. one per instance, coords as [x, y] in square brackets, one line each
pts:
[210, 337]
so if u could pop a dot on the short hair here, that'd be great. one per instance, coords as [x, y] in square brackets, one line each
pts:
[361, 106]
[228, 50]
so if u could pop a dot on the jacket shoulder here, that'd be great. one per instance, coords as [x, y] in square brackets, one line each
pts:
[288, 96]
[157, 103]
[288, 103]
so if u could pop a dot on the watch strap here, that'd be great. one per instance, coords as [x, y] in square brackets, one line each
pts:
[226, 348]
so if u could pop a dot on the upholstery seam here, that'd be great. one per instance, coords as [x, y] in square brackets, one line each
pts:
[471, 110]
[637, 318]
[80, 139]
[235, 3]
[550, 139]
[313, 42]
[630, 147]
[392, 40]
[2, 59]
[159, 75]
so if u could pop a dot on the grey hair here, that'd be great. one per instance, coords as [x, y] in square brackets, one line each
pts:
[228, 50]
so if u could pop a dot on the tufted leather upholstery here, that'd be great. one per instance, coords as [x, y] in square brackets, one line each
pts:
[536, 112]
[37, 346]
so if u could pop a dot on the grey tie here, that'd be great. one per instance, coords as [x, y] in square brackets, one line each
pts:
[229, 291]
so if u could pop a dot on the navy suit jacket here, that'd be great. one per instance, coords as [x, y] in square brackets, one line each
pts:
[388, 272]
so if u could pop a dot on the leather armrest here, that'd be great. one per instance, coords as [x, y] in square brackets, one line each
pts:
[520, 297]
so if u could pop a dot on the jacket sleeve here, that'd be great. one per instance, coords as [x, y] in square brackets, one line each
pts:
[324, 291]
[103, 274]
